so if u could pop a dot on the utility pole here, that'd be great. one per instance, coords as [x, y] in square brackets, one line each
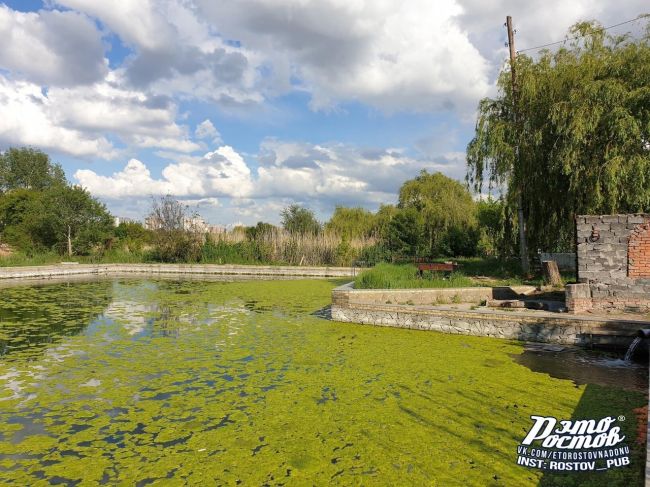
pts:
[523, 245]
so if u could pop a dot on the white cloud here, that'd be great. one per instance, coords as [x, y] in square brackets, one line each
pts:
[27, 120]
[323, 175]
[138, 22]
[51, 47]
[222, 172]
[77, 120]
[206, 130]
[134, 180]
[392, 55]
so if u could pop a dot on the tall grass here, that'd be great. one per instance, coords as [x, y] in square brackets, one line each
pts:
[472, 273]
[281, 247]
[392, 276]
[276, 247]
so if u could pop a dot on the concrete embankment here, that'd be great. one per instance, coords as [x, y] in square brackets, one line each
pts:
[388, 308]
[63, 270]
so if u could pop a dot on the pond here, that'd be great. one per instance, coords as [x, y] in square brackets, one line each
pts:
[133, 381]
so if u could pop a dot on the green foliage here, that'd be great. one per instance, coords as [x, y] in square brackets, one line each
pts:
[374, 254]
[352, 222]
[176, 246]
[447, 214]
[299, 220]
[260, 230]
[345, 254]
[582, 128]
[406, 232]
[132, 236]
[39, 211]
[21, 214]
[29, 168]
[74, 221]
[391, 276]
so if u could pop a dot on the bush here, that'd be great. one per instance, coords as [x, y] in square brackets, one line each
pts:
[177, 246]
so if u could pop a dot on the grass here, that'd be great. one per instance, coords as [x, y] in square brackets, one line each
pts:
[474, 272]
[18, 259]
[392, 276]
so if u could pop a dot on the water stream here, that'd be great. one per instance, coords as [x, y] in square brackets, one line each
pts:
[633, 346]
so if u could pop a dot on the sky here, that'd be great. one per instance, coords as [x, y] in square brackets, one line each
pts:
[241, 107]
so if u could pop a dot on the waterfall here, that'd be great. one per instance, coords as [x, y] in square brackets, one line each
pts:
[630, 351]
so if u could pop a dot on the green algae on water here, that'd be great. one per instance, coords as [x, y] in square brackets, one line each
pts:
[130, 382]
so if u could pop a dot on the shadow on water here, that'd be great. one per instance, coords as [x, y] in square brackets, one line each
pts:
[585, 366]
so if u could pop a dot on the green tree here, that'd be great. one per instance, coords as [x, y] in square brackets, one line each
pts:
[74, 220]
[580, 142]
[29, 168]
[296, 219]
[352, 222]
[262, 229]
[406, 232]
[443, 204]
[132, 236]
[21, 216]
[174, 240]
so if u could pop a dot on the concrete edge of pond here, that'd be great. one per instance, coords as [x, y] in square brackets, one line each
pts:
[350, 305]
[71, 269]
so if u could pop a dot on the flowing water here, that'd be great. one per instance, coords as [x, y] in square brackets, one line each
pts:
[132, 382]
[633, 346]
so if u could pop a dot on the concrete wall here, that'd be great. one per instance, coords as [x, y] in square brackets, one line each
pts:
[614, 261]
[426, 297]
[566, 261]
[50, 271]
[350, 305]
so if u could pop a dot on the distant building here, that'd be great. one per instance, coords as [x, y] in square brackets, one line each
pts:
[190, 224]
[122, 219]
[195, 224]
[216, 229]
[151, 223]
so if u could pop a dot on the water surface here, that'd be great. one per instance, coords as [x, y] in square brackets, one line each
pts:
[133, 382]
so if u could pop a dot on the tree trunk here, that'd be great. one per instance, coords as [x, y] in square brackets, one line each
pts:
[69, 241]
[551, 273]
[523, 244]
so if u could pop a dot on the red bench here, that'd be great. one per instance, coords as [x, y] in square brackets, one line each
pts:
[446, 267]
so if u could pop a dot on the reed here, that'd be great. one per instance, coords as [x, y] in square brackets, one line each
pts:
[277, 246]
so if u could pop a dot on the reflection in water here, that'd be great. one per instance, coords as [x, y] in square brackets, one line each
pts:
[32, 318]
[585, 366]
[130, 382]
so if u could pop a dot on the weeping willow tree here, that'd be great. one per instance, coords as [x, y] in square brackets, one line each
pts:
[582, 129]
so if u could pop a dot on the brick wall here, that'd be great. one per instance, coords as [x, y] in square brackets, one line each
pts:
[638, 256]
[613, 253]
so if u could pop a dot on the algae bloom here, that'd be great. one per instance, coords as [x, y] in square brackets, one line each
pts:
[133, 382]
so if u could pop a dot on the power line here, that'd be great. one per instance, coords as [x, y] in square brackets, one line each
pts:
[580, 36]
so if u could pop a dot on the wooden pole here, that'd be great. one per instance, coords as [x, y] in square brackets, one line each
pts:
[523, 245]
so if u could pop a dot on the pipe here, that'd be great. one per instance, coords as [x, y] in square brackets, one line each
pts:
[643, 333]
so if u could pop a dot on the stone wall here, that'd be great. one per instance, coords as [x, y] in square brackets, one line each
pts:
[538, 326]
[613, 253]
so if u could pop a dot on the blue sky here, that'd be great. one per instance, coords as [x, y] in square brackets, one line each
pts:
[240, 108]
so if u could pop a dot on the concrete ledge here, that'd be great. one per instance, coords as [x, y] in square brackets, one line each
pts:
[46, 272]
[538, 326]
[427, 296]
